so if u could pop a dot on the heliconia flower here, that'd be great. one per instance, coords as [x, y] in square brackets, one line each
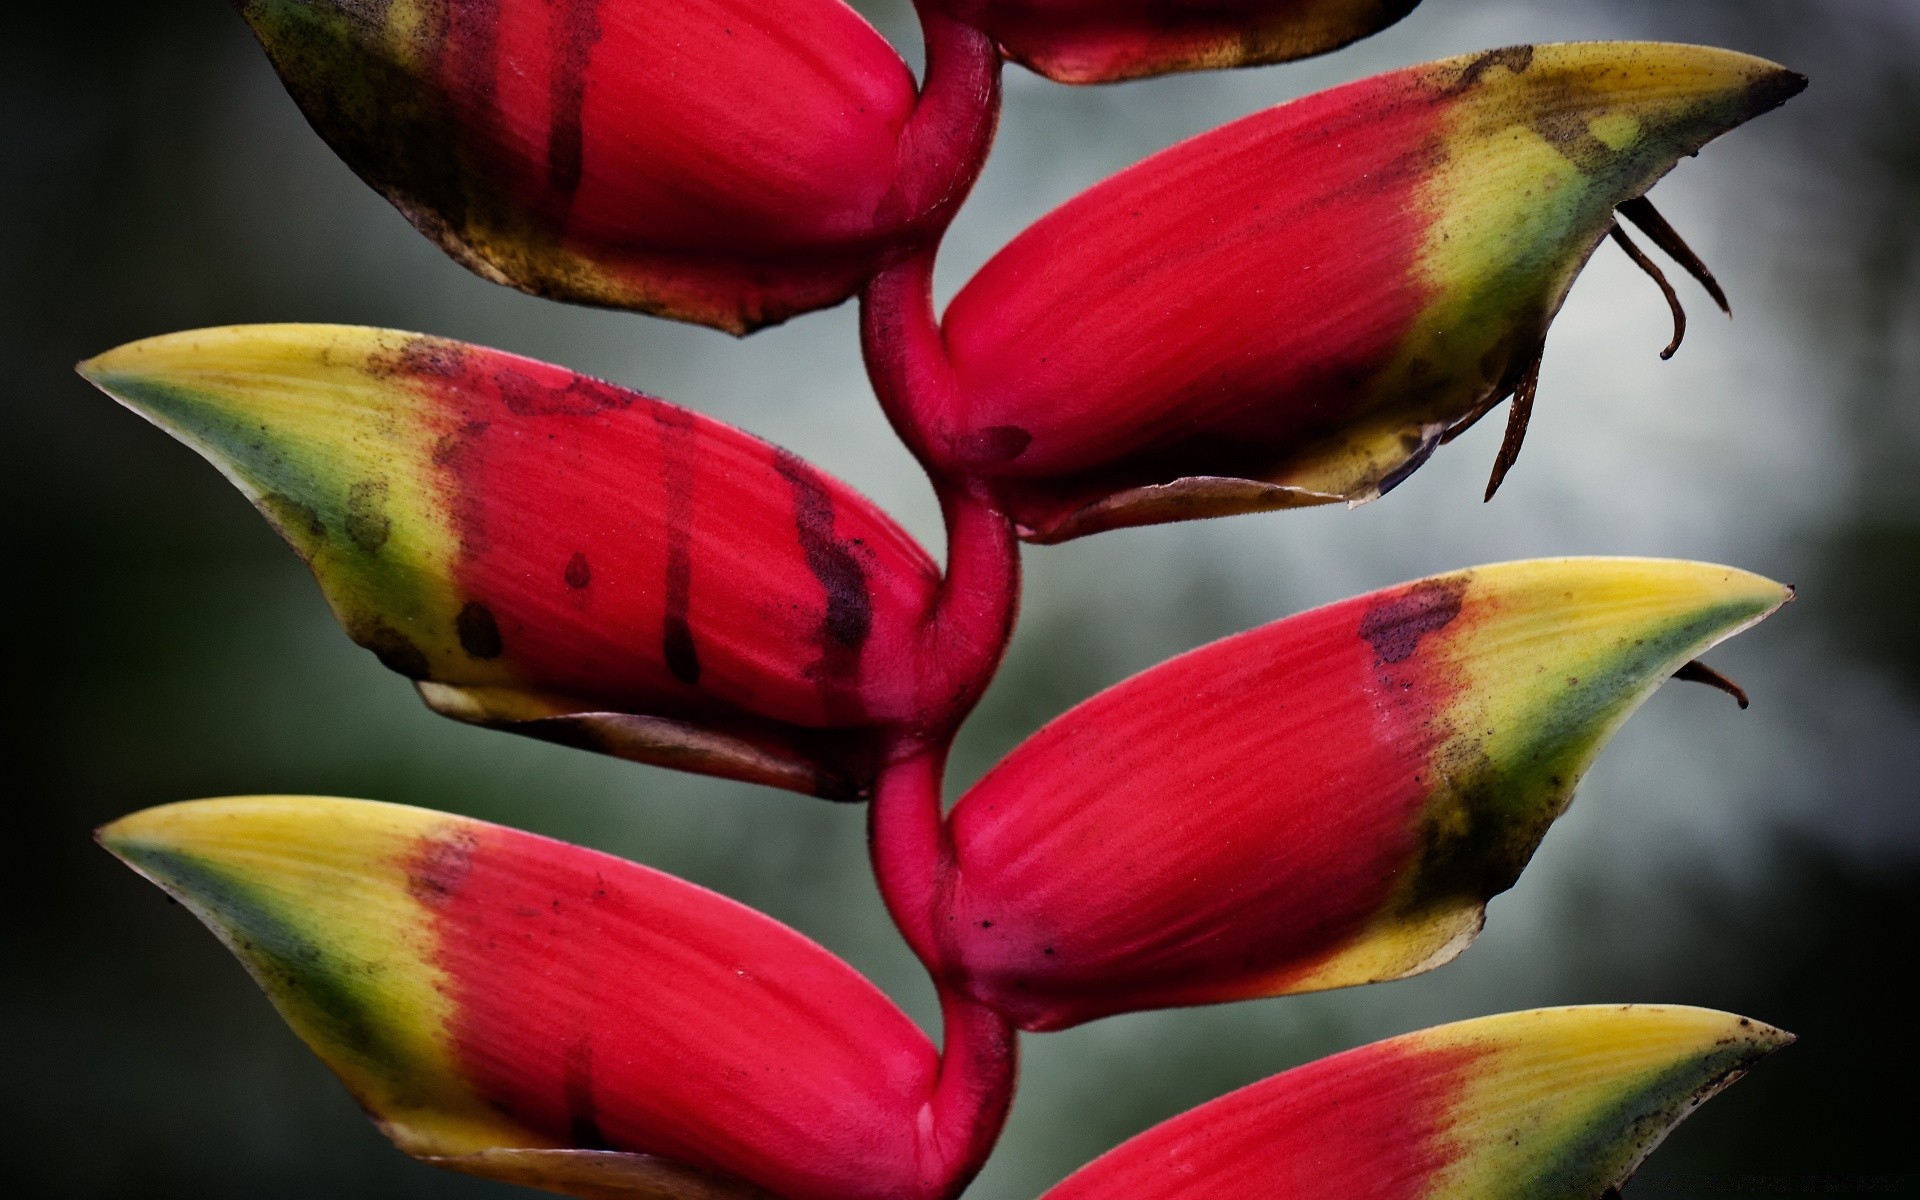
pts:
[1096, 41]
[1554, 1104]
[538, 1013]
[547, 553]
[1326, 801]
[1297, 308]
[731, 162]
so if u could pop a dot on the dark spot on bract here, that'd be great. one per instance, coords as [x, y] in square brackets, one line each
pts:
[1513, 58]
[367, 521]
[435, 358]
[440, 866]
[479, 632]
[394, 649]
[1395, 624]
[297, 521]
[578, 573]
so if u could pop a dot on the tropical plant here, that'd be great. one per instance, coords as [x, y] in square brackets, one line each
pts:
[1295, 309]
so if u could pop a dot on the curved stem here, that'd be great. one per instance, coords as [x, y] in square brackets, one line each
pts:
[945, 142]
[913, 861]
[907, 360]
[979, 1061]
[912, 853]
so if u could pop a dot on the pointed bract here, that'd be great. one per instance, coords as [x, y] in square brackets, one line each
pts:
[1326, 801]
[729, 162]
[548, 553]
[1097, 41]
[1296, 308]
[501, 1003]
[1554, 1104]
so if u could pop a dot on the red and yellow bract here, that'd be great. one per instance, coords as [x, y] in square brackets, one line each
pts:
[1297, 307]
[1326, 801]
[552, 554]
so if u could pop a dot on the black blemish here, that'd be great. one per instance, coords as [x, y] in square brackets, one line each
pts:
[367, 521]
[433, 358]
[1394, 625]
[677, 453]
[479, 632]
[297, 521]
[579, 31]
[1514, 58]
[1473, 843]
[995, 444]
[848, 620]
[578, 573]
[676, 644]
[394, 649]
[525, 396]
[583, 1118]
[440, 867]
[1566, 130]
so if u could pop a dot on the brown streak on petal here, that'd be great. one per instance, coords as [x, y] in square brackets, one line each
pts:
[1642, 213]
[848, 619]
[1699, 672]
[677, 451]
[1514, 58]
[1395, 624]
[1517, 420]
[1654, 272]
[583, 1118]
[579, 31]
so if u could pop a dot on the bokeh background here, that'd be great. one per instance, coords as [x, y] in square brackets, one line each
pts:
[162, 645]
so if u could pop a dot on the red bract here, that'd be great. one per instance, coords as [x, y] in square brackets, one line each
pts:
[1554, 1104]
[1298, 307]
[731, 162]
[500, 1002]
[547, 553]
[1095, 41]
[1327, 801]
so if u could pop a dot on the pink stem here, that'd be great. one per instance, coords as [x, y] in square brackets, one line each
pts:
[913, 859]
[907, 359]
[914, 862]
[942, 149]
[979, 1061]
[945, 141]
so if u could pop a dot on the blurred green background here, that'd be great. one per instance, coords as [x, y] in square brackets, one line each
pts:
[165, 646]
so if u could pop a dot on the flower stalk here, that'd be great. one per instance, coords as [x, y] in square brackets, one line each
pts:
[1295, 309]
